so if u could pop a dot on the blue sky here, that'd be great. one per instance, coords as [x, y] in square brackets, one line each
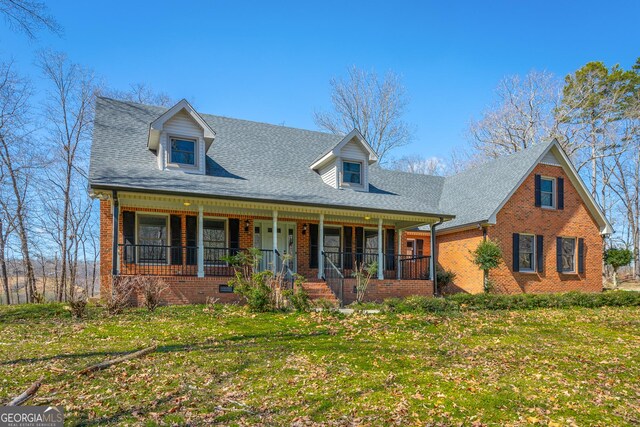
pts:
[271, 61]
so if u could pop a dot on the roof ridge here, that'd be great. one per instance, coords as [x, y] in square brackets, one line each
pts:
[227, 117]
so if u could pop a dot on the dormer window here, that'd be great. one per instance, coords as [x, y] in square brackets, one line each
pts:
[352, 173]
[183, 151]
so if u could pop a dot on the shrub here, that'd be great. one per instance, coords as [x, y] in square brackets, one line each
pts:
[468, 302]
[300, 299]
[444, 277]
[262, 291]
[616, 258]
[487, 256]
[420, 304]
[119, 298]
[77, 304]
[151, 288]
[363, 274]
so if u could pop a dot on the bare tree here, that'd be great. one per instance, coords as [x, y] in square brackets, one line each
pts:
[17, 160]
[372, 106]
[29, 17]
[69, 115]
[522, 115]
[420, 165]
[141, 93]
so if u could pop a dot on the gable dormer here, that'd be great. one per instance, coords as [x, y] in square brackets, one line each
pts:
[181, 138]
[346, 165]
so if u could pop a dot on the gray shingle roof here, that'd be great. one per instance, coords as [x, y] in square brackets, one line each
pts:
[250, 160]
[247, 160]
[475, 194]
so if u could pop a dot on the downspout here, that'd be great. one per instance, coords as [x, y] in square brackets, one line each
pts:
[434, 255]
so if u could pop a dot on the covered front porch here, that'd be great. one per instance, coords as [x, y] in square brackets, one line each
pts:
[192, 237]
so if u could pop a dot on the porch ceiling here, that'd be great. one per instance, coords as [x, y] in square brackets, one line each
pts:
[265, 209]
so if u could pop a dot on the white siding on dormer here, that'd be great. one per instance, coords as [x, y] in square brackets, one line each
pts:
[354, 151]
[329, 174]
[550, 159]
[182, 125]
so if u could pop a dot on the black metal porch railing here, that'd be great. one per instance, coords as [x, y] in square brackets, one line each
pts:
[411, 267]
[333, 276]
[160, 260]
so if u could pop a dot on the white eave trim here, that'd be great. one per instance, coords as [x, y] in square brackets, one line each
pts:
[572, 173]
[335, 151]
[156, 127]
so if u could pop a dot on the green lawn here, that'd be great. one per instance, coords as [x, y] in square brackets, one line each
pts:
[544, 367]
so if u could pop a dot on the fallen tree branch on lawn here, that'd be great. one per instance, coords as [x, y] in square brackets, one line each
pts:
[26, 395]
[104, 365]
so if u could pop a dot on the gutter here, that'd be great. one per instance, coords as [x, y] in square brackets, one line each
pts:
[283, 202]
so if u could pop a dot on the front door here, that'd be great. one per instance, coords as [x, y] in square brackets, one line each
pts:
[286, 240]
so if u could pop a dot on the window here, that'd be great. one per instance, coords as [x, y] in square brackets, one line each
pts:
[370, 246]
[568, 255]
[527, 252]
[352, 173]
[183, 151]
[331, 245]
[214, 240]
[152, 238]
[547, 198]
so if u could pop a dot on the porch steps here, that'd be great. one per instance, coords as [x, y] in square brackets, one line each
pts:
[320, 290]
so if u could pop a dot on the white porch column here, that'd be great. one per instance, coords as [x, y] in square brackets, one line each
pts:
[380, 257]
[399, 257]
[200, 242]
[321, 247]
[275, 241]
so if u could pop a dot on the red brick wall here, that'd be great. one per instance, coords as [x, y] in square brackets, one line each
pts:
[379, 290]
[519, 215]
[195, 290]
[454, 254]
[106, 238]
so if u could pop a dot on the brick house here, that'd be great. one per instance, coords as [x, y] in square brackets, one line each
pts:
[180, 191]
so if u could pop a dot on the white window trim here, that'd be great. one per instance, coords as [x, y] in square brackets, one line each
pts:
[168, 242]
[196, 152]
[226, 239]
[534, 261]
[575, 254]
[350, 184]
[554, 192]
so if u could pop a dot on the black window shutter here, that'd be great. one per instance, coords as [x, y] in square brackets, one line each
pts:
[192, 240]
[540, 253]
[175, 223]
[580, 256]
[313, 245]
[234, 235]
[390, 246]
[538, 194]
[559, 254]
[129, 235]
[359, 244]
[560, 193]
[516, 252]
[420, 247]
[347, 244]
